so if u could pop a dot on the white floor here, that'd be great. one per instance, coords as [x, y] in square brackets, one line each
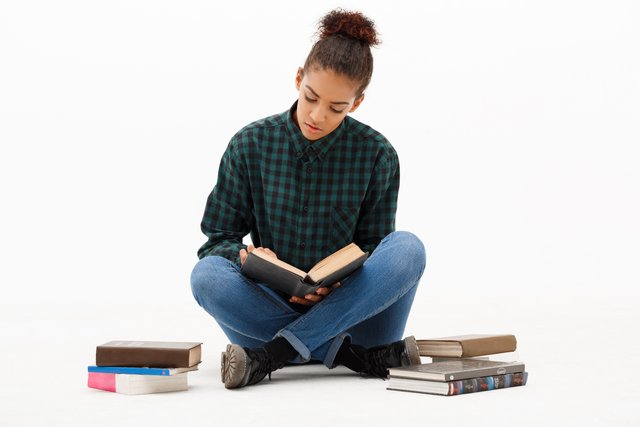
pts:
[581, 353]
[517, 128]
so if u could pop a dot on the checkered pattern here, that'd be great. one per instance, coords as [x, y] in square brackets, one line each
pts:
[302, 200]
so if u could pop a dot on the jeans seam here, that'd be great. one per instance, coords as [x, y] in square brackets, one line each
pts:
[283, 307]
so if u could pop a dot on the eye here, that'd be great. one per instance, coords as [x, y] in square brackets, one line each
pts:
[331, 108]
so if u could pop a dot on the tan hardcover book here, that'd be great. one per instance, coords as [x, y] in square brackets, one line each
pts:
[153, 354]
[467, 345]
[511, 356]
[284, 277]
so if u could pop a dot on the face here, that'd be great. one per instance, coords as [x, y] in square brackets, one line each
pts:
[324, 101]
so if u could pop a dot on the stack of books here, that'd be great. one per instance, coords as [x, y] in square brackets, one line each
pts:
[143, 367]
[461, 364]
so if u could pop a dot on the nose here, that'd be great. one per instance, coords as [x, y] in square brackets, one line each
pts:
[316, 114]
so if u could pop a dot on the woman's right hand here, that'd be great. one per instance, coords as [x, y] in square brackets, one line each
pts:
[315, 297]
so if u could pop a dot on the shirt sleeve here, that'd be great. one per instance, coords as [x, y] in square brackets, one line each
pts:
[378, 213]
[227, 215]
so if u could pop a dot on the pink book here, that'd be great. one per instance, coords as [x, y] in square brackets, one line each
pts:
[137, 384]
[102, 381]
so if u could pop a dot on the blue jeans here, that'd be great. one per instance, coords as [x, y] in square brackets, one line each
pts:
[371, 307]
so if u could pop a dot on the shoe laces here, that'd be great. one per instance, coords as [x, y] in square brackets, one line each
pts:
[265, 365]
[375, 365]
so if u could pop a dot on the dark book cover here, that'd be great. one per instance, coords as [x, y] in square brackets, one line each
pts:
[459, 369]
[152, 354]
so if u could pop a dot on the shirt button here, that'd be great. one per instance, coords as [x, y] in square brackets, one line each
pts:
[302, 245]
[309, 169]
[305, 208]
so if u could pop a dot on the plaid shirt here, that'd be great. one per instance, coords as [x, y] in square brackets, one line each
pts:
[302, 200]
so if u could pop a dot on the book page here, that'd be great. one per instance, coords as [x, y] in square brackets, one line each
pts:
[331, 257]
[335, 261]
[280, 263]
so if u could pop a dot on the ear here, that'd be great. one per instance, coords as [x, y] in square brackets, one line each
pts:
[357, 103]
[299, 76]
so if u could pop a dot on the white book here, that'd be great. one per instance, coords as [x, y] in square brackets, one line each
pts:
[137, 384]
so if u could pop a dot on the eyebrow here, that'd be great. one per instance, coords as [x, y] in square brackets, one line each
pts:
[314, 92]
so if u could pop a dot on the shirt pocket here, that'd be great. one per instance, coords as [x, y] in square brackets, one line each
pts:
[343, 226]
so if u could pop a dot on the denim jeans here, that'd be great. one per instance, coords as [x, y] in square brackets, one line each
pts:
[371, 307]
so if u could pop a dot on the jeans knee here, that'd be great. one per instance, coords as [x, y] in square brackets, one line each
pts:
[409, 250]
[204, 275]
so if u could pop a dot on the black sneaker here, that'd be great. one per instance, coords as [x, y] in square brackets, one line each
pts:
[378, 360]
[245, 366]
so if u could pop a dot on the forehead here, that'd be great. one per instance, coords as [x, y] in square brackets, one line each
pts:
[329, 85]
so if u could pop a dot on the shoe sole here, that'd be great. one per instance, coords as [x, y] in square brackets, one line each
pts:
[412, 350]
[223, 363]
[234, 366]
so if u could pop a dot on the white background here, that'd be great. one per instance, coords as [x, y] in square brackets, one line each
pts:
[517, 127]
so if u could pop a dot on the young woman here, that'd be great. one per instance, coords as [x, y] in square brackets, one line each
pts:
[305, 183]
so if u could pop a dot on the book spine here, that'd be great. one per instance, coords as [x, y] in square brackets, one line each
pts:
[129, 370]
[102, 381]
[142, 357]
[474, 385]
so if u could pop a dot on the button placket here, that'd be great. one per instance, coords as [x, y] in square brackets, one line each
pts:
[303, 221]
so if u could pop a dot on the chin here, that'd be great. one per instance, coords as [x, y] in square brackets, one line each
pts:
[314, 137]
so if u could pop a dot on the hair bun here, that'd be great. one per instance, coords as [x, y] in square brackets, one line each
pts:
[349, 24]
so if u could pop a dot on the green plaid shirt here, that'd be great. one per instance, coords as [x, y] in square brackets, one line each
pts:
[302, 200]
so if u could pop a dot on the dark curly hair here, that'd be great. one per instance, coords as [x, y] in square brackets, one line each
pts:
[344, 46]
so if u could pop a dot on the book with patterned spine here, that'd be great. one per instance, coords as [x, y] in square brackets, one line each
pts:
[452, 388]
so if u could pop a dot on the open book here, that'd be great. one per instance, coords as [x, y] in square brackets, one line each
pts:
[284, 277]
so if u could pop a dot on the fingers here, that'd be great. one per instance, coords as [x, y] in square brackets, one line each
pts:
[309, 299]
[270, 252]
[264, 251]
[323, 291]
[245, 252]
[302, 301]
[314, 297]
[326, 290]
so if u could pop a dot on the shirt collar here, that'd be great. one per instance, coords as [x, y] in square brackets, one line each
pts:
[306, 149]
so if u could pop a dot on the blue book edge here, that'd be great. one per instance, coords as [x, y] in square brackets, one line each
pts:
[128, 370]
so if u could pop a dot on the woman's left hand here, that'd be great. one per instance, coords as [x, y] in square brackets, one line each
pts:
[316, 297]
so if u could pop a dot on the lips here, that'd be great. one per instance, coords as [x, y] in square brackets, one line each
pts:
[312, 128]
